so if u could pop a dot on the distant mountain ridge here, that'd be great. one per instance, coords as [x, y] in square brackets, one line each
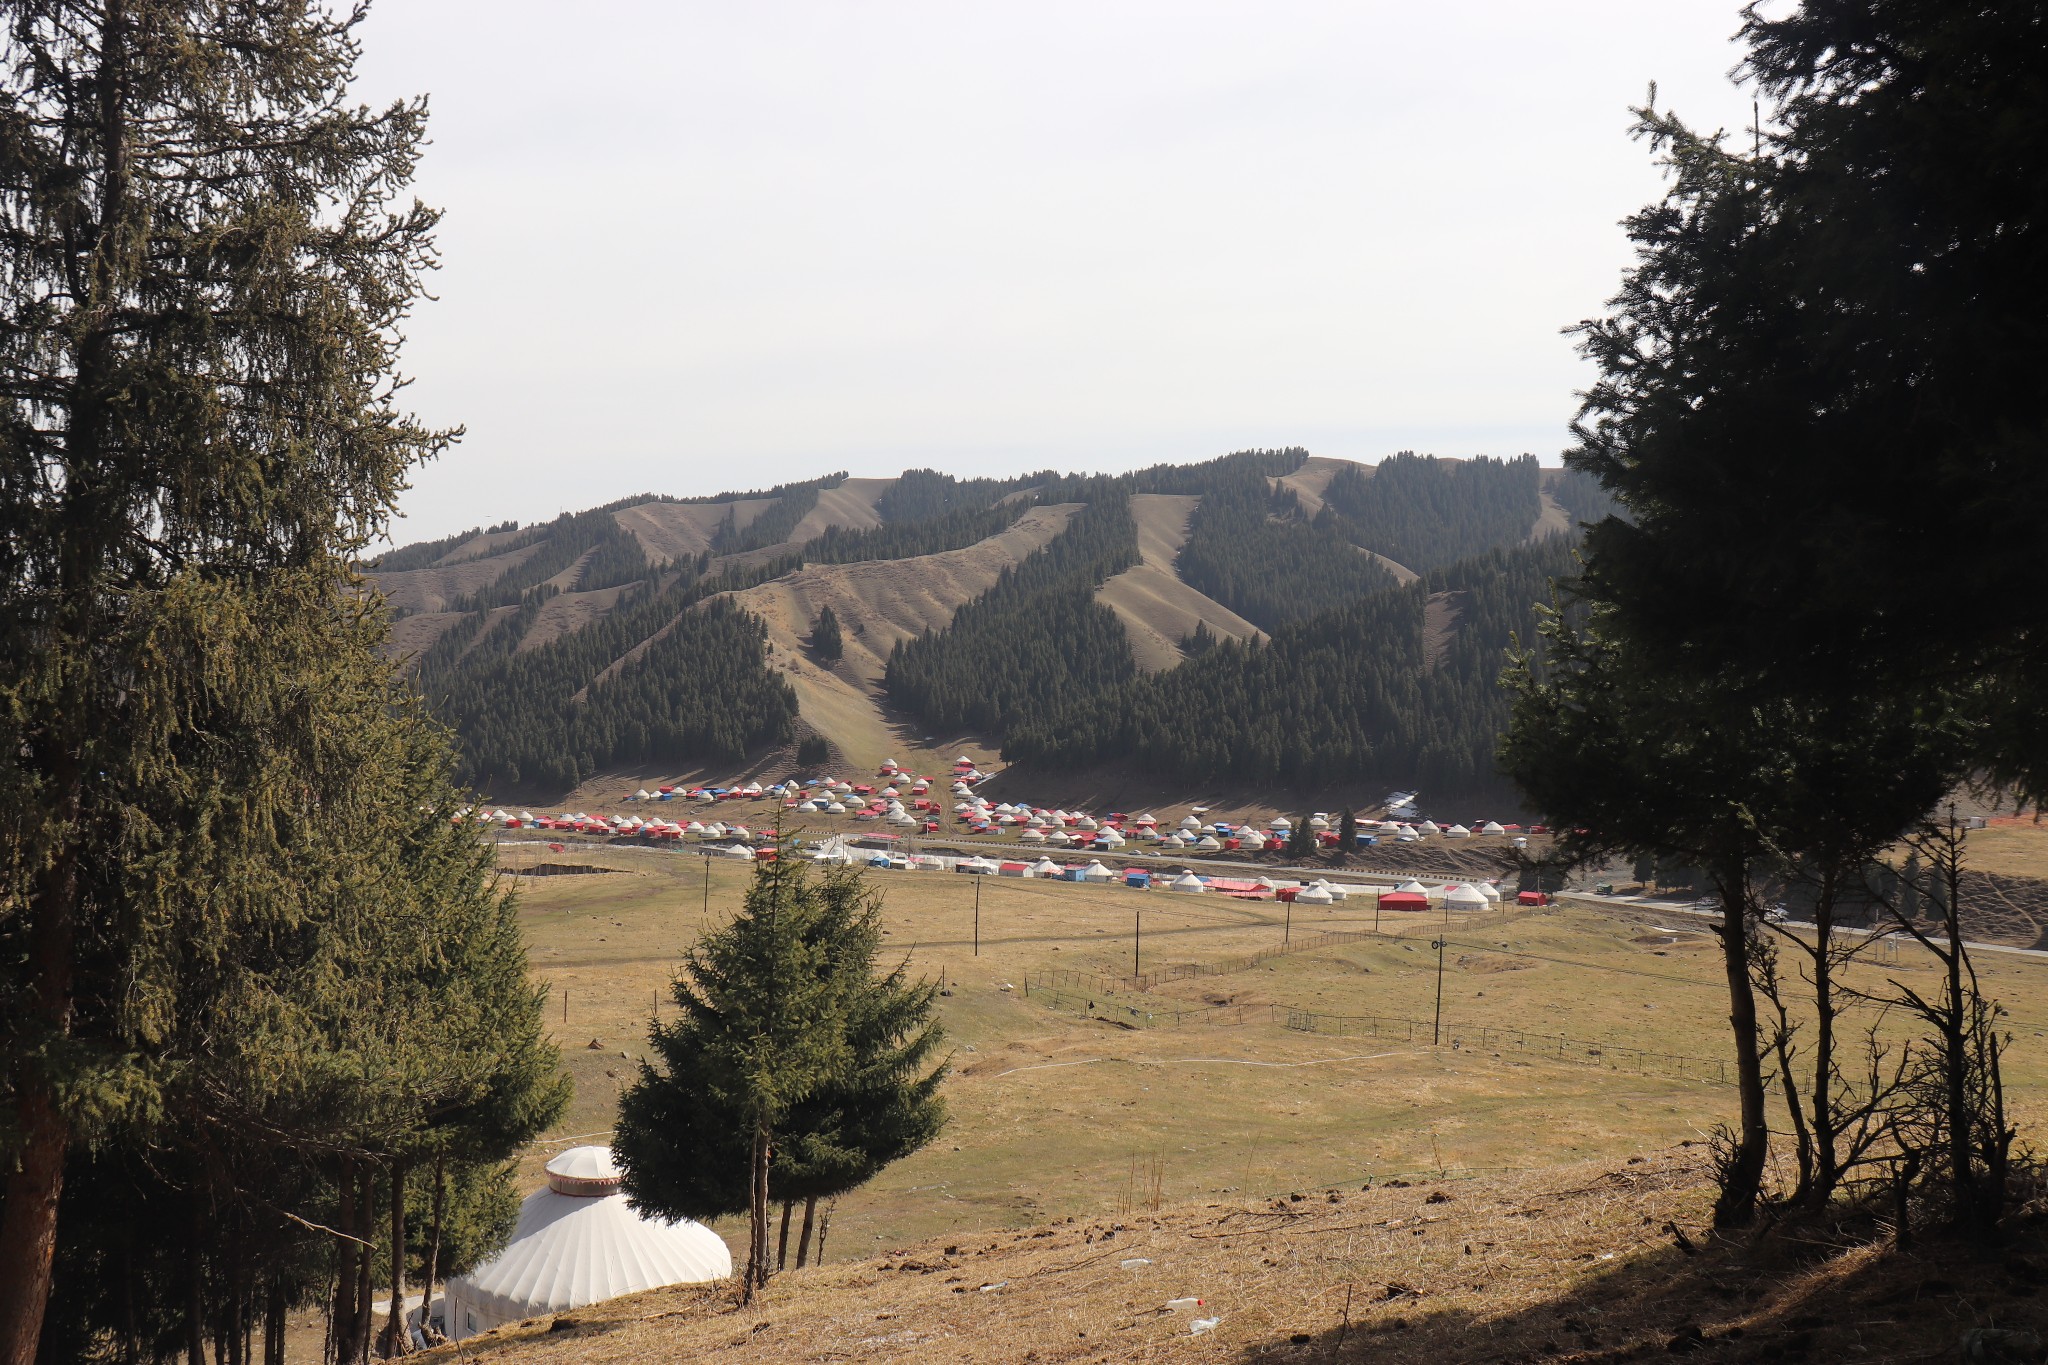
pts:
[1267, 616]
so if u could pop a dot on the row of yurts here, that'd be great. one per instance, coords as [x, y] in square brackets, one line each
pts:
[1034, 825]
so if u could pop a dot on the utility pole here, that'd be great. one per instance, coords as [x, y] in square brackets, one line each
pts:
[1287, 934]
[707, 884]
[1437, 1032]
[1137, 936]
[977, 914]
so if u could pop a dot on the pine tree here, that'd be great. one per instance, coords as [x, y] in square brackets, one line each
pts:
[683, 1134]
[761, 1025]
[1347, 832]
[826, 642]
[208, 257]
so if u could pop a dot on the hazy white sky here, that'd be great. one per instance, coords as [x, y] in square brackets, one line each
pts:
[696, 246]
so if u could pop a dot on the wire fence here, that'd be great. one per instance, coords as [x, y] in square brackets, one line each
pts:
[1096, 997]
[1141, 982]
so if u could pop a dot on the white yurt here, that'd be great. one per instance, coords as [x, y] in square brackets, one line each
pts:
[736, 851]
[1313, 895]
[1464, 898]
[1059, 838]
[1096, 872]
[1209, 842]
[1457, 832]
[835, 809]
[643, 795]
[1186, 881]
[1429, 827]
[1190, 822]
[1282, 822]
[1414, 889]
[1492, 827]
[1089, 822]
[977, 866]
[694, 827]
[1252, 841]
[579, 1242]
[1318, 821]
[1488, 890]
[1333, 890]
[1109, 838]
[1031, 836]
[1045, 867]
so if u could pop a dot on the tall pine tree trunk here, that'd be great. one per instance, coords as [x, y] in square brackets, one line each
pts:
[757, 1241]
[28, 1223]
[341, 1313]
[782, 1241]
[1742, 1177]
[273, 1325]
[803, 1241]
[395, 1341]
[366, 1264]
[434, 1240]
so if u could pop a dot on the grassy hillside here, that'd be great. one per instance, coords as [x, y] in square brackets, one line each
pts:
[1491, 1195]
[1072, 620]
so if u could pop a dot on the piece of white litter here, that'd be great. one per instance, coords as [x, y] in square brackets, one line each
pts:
[1179, 1305]
[1134, 1262]
[1201, 1325]
[999, 1284]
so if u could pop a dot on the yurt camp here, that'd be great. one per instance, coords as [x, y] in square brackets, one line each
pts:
[579, 1242]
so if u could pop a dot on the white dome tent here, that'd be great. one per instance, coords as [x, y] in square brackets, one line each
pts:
[1187, 882]
[1490, 891]
[1464, 898]
[579, 1242]
[1313, 895]
[1492, 827]
[1413, 888]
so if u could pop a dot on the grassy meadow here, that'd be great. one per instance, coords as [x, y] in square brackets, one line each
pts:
[1058, 1111]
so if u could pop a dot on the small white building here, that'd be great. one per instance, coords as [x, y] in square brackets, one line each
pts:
[579, 1242]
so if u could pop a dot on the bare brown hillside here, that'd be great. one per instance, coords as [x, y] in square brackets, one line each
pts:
[1159, 610]
[435, 589]
[880, 602]
[851, 504]
[1600, 1262]
[672, 531]
[1309, 481]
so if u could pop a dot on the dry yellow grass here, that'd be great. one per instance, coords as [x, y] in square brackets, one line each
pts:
[1309, 481]
[675, 531]
[1178, 1140]
[1597, 1261]
[431, 590]
[1157, 609]
[851, 504]
[880, 602]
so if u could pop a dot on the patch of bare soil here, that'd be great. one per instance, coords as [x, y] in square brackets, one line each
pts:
[1159, 610]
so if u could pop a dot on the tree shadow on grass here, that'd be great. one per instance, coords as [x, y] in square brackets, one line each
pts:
[1816, 1290]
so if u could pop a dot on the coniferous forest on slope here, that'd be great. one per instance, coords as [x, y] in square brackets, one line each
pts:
[1348, 687]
